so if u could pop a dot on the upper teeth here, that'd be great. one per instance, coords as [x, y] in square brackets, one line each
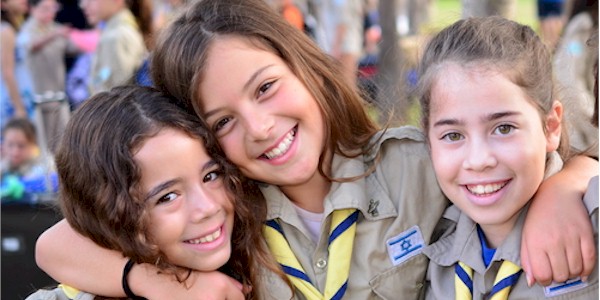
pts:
[282, 147]
[481, 189]
[206, 239]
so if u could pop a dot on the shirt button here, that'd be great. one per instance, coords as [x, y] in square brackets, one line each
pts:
[321, 263]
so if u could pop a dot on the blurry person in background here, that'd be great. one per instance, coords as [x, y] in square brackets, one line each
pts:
[164, 11]
[573, 65]
[24, 171]
[342, 28]
[552, 21]
[10, 98]
[121, 48]
[45, 44]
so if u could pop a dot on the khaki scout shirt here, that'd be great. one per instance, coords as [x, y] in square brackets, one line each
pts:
[461, 243]
[46, 65]
[119, 54]
[400, 204]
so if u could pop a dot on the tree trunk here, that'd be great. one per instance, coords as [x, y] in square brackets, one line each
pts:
[391, 97]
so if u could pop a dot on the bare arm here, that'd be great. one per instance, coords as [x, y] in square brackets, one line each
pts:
[39, 43]
[72, 259]
[558, 240]
[7, 61]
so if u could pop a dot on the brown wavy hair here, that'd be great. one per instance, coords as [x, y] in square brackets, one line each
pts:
[100, 193]
[179, 60]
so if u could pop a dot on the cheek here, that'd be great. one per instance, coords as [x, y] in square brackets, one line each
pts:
[233, 146]
[163, 230]
[444, 162]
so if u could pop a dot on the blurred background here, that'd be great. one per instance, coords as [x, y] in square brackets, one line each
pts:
[47, 70]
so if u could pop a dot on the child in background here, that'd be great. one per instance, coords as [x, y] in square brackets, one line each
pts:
[494, 126]
[141, 176]
[15, 100]
[25, 173]
[287, 118]
[45, 44]
[121, 48]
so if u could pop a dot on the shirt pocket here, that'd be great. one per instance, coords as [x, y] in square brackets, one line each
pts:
[404, 281]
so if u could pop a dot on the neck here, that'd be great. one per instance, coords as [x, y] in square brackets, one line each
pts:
[495, 234]
[309, 195]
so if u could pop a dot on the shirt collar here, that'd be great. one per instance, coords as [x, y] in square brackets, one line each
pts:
[364, 194]
[464, 245]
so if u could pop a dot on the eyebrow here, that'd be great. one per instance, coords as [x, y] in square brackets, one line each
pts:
[487, 118]
[159, 188]
[246, 86]
[255, 75]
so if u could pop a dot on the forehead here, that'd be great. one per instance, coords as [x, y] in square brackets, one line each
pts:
[12, 134]
[234, 58]
[460, 86]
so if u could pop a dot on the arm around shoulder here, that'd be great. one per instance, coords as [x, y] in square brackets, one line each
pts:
[75, 260]
[558, 241]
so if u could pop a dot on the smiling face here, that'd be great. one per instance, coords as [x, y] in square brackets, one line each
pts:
[266, 120]
[488, 144]
[191, 215]
[17, 147]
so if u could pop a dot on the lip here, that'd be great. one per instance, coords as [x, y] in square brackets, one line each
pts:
[208, 246]
[288, 153]
[486, 199]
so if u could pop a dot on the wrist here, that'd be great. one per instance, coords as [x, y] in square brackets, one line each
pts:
[128, 280]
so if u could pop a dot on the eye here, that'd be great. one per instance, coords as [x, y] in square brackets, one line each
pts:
[167, 198]
[504, 129]
[452, 137]
[265, 88]
[221, 123]
[211, 176]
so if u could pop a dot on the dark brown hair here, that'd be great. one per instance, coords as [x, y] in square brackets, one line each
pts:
[142, 11]
[8, 16]
[99, 189]
[179, 60]
[24, 125]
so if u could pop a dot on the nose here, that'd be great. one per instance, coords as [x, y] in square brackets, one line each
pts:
[479, 155]
[258, 123]
[203, 204]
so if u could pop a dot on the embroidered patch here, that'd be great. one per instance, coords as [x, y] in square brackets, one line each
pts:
[405, 245]
[568, 286]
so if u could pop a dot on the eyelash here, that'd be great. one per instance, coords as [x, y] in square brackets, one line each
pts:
[219, 124]
[505, 126]
[216, 175]
[265, 88]
[448, 135]
[165, 199]
[209, 177]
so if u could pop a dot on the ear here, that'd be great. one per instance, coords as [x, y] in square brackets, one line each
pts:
[554, 126]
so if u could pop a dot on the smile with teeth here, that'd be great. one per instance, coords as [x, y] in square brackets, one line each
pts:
[283, 147]
[485, 189]
[207, 238]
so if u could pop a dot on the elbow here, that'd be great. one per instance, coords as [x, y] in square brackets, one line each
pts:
[41, 251]
[44, 250]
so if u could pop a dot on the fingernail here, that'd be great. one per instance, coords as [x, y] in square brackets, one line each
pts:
[529, 280]
[584, 278]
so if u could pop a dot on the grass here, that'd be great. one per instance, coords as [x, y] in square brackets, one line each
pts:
[445, 12]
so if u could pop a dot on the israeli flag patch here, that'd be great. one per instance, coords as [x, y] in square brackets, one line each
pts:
[568, 286]
[405, 245]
